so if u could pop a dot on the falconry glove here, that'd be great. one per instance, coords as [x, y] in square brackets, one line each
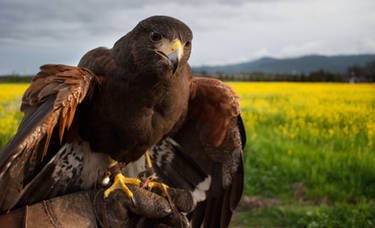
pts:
[90, 209]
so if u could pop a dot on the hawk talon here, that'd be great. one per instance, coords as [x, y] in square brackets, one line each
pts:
[133, 201]
[161, 186]
[120, 183]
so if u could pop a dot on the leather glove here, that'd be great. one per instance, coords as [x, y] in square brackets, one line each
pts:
[150, 210]
[90, 209]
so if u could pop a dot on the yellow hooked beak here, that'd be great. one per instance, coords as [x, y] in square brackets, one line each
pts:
[172, 51]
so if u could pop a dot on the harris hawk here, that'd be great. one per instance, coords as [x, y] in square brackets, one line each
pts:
[114, 106]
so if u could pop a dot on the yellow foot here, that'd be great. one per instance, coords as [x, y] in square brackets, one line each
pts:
[161, 186]
[120, 183]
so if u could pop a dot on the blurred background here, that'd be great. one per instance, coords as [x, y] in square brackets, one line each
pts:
[310, 155]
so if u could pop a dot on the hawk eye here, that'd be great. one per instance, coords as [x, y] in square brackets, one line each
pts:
[187, 44]
[154, 36]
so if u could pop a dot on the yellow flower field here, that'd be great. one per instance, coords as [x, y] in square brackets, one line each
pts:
[10, 116]
[311, 109]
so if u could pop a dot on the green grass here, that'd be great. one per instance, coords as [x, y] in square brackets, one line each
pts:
[295, 215]
[273, 164]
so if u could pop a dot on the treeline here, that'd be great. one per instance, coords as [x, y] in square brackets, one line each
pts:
[353, 74]
[15, 79]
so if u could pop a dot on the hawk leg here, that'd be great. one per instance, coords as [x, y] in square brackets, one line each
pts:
[120, 181]
[150, 181]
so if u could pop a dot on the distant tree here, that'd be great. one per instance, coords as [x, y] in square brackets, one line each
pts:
[317, 76]
[366, 73]
[324, 76]
[370, 71]
[355, 71]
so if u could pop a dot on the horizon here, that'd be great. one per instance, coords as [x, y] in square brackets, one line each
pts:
[238, 63]
[284, 58]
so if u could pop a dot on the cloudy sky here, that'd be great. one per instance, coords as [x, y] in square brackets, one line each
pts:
[36, 32]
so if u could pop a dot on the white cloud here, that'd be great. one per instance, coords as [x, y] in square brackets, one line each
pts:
[261, 53]
[310, 47]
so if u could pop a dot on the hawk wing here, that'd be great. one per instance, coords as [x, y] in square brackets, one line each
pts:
[50, 105]
[206, 154]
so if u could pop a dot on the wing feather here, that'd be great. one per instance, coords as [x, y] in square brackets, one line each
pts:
[49, 104]
[212, 103]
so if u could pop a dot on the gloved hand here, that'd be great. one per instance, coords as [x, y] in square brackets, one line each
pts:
[151, 210]
[90, 209]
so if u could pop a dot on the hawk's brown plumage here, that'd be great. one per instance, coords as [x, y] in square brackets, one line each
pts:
[206, 154]
[121, 102]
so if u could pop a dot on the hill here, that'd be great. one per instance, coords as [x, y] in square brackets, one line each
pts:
[304, 64]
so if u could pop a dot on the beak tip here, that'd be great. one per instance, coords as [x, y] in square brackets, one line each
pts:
[174, 67]
[174, 60]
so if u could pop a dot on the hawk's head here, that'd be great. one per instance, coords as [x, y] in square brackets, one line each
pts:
[158, 44]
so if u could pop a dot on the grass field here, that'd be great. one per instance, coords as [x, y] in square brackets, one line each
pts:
[310, 145]
[319, 137]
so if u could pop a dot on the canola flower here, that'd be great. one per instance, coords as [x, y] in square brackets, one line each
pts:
[303, 111]
[10, 115]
